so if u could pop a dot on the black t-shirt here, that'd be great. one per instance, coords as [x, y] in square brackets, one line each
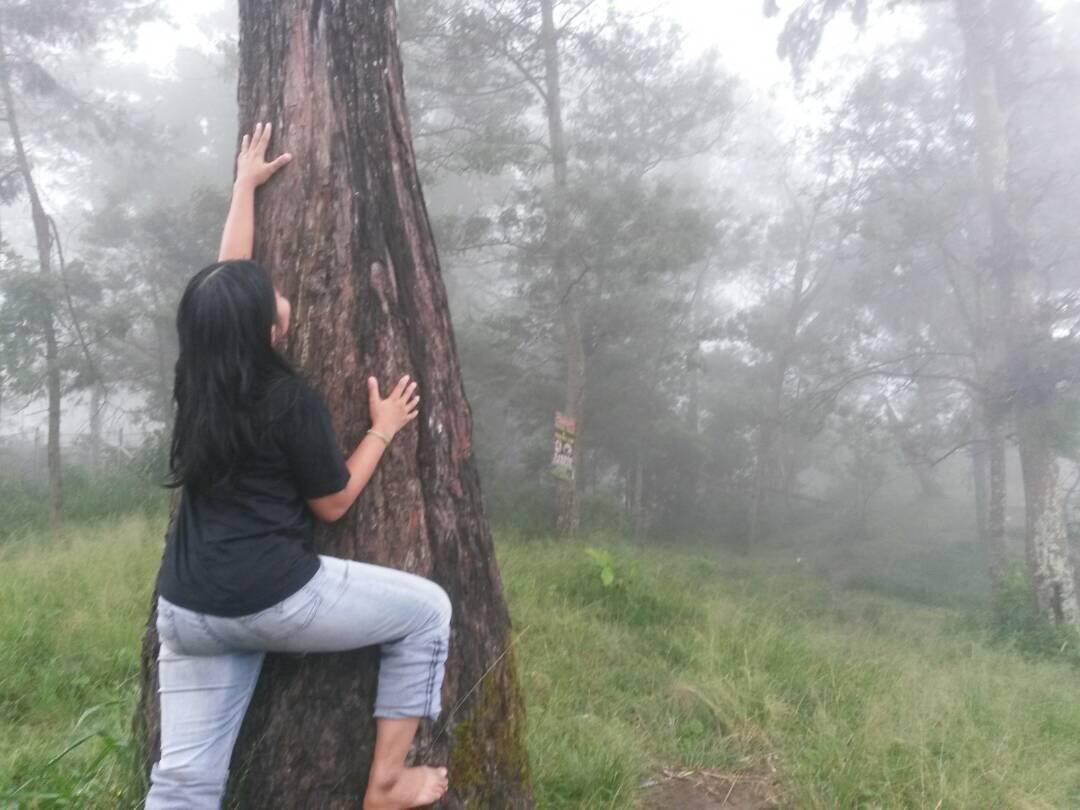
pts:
[246, 545]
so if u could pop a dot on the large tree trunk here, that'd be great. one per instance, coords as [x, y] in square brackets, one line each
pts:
[43, 241]
[569, 310]
[345, 230]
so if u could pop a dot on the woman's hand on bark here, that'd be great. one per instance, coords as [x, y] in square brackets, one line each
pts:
[391, 414]
[252, 167]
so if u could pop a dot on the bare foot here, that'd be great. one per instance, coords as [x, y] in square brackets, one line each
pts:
[407, 788]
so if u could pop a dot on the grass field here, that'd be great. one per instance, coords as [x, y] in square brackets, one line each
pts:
[683, 659]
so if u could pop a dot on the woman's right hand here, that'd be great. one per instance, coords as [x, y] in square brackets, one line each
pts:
[252, 167]
[391, 414]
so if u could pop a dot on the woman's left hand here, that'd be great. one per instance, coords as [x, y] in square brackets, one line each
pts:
[251, 165]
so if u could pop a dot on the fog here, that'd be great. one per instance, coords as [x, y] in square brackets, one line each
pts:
[787, 286]
[797, 306]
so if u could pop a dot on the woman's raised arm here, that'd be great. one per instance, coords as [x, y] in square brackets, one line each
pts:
[252, 170]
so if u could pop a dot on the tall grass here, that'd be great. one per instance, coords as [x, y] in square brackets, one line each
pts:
[870, 703]
[682, 659]
[71, 615]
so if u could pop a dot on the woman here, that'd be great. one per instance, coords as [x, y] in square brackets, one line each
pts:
[255, 452]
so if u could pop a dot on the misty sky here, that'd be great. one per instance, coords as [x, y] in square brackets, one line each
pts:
[745, 39]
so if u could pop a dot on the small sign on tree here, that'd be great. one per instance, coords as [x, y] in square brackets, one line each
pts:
[562, 465]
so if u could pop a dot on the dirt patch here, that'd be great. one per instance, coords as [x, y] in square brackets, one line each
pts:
[710, 790]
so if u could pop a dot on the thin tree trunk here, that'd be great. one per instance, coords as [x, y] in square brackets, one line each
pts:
[569, 311]
[973, 18]
[980, 475]
[987, 456]
[995, 509]
[767, 464]
[761, 486]
[694, 370]
[43, 242]
[1049, 561]
[639, 519]
[164, 350]
[97, 402]
[345, 230]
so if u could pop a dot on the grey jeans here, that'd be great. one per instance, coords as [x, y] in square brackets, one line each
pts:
[208, 665]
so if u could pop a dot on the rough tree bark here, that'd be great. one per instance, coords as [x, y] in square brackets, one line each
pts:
[346, 233]
[43, 241]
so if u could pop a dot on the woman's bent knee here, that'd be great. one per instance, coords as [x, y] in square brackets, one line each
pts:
[444, 609]
[435, 599]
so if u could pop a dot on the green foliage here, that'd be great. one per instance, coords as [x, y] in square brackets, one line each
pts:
[26, 300]
[604, 564]
[618, 586]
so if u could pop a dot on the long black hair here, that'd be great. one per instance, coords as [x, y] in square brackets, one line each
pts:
[227, 365]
